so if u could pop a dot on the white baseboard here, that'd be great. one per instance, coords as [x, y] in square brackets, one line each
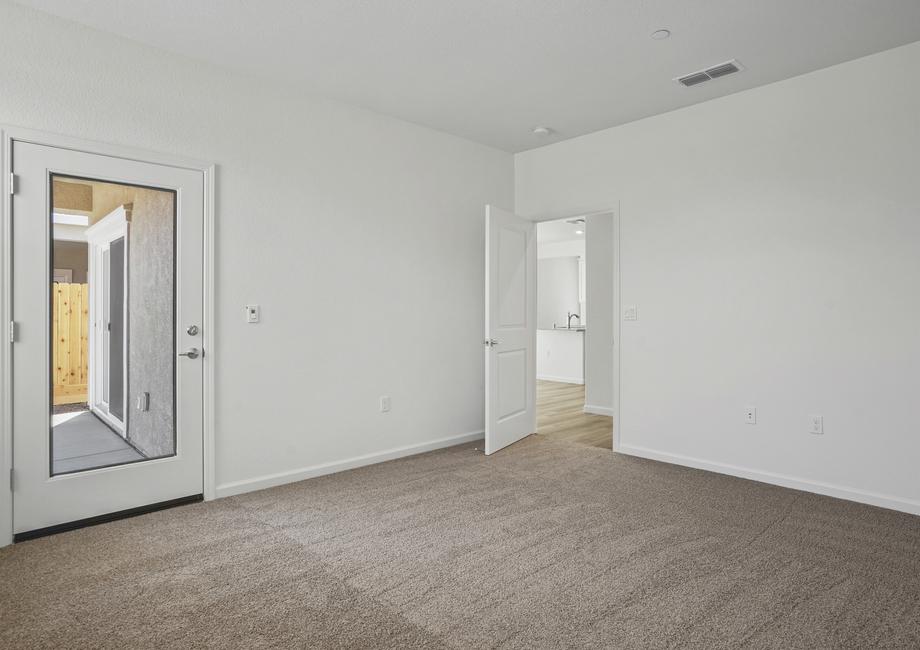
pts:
[598, 410]
[806, 485]
[562, 380]
[292, 476]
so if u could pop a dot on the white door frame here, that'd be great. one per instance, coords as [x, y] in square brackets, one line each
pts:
[9, 134]
[617, 315]
[99, 238]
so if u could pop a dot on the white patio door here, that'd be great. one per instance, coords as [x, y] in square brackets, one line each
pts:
[107, 275]
[70, 465]
[510, 328]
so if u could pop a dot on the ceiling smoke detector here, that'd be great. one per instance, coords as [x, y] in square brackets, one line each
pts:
[660, 34]
[542, 130]
[716, 71]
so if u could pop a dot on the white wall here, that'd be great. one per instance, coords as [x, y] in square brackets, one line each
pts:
[560, 355]
[568, 248]
[599, 260]
[557, 291]
[771, 240]
[361, 237]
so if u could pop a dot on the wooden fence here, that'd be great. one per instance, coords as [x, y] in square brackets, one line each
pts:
[70, 337]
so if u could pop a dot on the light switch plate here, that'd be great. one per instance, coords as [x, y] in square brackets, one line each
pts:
[253, 313]
[631, 312]
[816, 423]
[750, 415]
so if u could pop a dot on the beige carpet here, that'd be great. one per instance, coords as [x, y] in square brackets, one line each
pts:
[544, 545]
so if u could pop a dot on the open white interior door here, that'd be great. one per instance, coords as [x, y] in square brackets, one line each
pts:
[510, 332]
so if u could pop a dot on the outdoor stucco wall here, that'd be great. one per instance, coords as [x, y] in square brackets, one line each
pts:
[151, 356]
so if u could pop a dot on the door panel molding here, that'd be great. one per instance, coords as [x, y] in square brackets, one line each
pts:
[9, 135]
[510, 328]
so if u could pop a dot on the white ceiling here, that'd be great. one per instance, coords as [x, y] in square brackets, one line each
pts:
[491, 70]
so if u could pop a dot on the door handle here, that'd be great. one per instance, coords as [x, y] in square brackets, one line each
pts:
[192, 353]
[491, 342]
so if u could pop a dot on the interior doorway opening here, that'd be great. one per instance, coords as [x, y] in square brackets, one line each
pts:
[583, 281]
[574, 337]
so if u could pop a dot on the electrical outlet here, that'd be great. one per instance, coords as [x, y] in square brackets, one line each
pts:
[750, 415]
[385, 404]
[631, 312]
[817, 424]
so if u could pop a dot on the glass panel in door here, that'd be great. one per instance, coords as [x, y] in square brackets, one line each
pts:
[112, 327]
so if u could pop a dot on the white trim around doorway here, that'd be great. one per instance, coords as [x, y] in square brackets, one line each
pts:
[9, 134]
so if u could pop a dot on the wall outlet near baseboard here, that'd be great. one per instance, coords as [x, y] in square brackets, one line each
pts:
[385, 404]
[816, 424]
[750, 415]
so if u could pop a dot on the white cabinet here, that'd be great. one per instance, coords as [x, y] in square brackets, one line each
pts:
[561, 356]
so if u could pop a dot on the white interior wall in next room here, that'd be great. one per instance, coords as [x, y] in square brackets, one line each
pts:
[771, 241]
[360, 236]
[560, 355]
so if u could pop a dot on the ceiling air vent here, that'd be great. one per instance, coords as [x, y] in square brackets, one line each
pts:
[716, 71]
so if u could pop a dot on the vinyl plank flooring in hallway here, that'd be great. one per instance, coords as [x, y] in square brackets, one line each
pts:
[561, 416]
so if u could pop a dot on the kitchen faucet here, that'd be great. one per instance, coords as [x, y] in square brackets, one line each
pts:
[570, 316]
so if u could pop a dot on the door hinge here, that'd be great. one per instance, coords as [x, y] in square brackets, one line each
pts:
[12, 183]
[12, 483]
[12, 331]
